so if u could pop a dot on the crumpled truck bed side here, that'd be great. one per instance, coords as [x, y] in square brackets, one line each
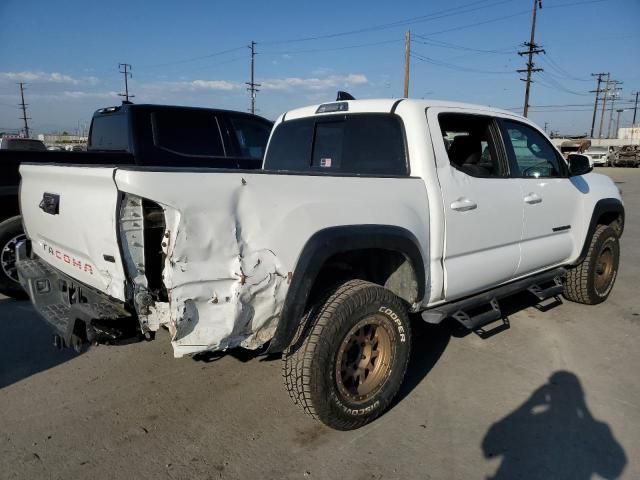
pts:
[232, 241]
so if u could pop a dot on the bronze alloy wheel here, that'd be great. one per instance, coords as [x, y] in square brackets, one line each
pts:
[605, 267]
[591, 281]
[364, 359]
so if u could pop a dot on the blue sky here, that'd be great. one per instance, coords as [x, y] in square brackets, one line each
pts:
[68, 53]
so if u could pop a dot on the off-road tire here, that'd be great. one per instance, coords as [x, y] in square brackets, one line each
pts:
[10, 230]
[582, 284]
[310, 364]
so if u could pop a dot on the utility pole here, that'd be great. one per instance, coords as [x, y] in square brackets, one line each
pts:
[407, 58]
[24, 110]
[597, 92]
[615, 89]
[604, 104]
[620, 110]
[546, 124]
[635, 109]
[252, 84]
[126, 71]
[532, 50]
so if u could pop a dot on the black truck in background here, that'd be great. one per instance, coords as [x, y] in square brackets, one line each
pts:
[144, 135]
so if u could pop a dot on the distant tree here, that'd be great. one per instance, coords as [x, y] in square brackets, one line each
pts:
[65, 133]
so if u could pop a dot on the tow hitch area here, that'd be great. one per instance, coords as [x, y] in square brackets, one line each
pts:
[78, 315]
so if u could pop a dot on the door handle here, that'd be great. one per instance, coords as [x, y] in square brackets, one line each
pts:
[532, 199]
[463, 204]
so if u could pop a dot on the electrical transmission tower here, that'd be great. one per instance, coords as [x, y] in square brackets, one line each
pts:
[126, 71]
[597, 91]
[24, 110]
[532, 49]
[252, 84]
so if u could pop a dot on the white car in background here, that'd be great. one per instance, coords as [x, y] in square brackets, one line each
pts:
[598, 156]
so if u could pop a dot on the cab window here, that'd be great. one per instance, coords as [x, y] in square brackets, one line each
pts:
[531, 154]
[470, 145]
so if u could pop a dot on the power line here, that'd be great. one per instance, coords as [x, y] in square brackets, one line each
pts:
[440, 63]
[127, 75]
[441, 44]
[558, 68]
[192, 59]
[400, 23]
[556, 85]
[314, 50]
[24, 110]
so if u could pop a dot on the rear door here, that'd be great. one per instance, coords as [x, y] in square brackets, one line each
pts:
[482, 206]
[70, 215]
[551, 200]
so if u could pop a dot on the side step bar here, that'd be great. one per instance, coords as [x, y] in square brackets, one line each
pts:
[482, 309]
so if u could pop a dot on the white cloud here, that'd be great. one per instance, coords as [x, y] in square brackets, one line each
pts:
[156, 88]
[315, 83]
[213, 84]
[47, 77]
[81, 94]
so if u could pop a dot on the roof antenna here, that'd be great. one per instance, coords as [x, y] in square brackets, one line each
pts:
[344, 96]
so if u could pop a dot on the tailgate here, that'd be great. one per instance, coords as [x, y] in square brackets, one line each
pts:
[77, 231]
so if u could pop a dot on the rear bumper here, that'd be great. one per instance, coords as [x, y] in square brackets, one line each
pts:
[77, 313]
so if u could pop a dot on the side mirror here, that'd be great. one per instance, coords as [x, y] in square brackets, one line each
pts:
[579, 165]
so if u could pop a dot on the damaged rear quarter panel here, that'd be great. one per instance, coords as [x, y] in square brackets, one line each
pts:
[234, 237]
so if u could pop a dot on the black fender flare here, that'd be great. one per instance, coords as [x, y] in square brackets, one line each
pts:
[322, 246]
[602, 206]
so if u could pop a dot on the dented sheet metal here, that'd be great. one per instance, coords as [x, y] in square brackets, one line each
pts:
[232, 240]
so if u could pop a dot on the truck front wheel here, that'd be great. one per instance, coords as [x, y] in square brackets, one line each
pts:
[11, 234]
[349, 357]
[591, 281]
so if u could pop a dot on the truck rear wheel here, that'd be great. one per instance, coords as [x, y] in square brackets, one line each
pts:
[348, 359]
[591, 281]
[11, 234]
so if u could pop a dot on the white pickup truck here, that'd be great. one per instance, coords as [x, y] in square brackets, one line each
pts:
[365, 211]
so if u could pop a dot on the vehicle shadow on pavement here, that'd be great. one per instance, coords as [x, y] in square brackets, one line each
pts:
[428, 344]
[26, 345]
[553, 435]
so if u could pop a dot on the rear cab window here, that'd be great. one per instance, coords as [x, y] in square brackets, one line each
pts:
[191, 133]
[358, 144]
[109, 132]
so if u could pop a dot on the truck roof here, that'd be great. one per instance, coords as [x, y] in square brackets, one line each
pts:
[153, 106]
[385, 105]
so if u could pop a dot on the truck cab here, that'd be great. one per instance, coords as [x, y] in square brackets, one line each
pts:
[364, 211]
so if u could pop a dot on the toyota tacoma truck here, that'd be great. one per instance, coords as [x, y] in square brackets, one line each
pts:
[365, 211]
[131, 134]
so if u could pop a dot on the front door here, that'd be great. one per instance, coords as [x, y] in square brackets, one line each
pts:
[550, 200]
[482, 206]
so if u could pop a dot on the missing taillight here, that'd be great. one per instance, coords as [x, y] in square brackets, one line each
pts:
[154, 227]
